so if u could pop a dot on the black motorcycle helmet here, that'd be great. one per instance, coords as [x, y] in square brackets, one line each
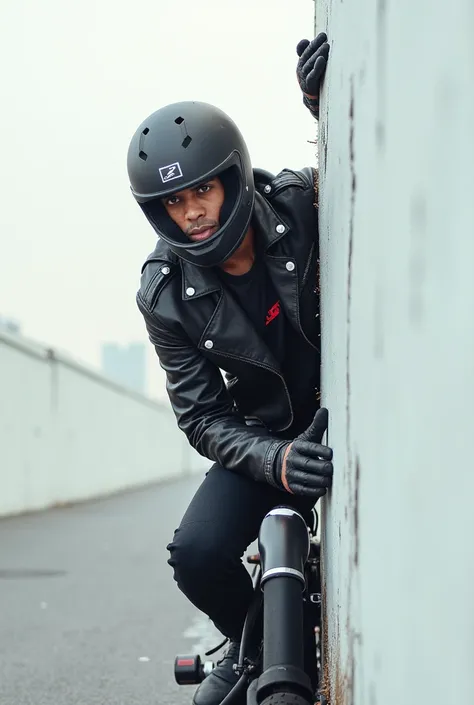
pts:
[180, 146]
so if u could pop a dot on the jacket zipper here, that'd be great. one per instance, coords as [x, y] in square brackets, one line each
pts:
[265, 367]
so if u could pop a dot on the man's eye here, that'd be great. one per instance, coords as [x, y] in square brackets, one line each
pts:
[205, 188]
[172, 200]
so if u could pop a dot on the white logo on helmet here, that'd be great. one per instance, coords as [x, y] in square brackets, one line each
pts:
[170, 172]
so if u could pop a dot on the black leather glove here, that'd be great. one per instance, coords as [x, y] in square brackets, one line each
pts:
[311, 68]
[304, 466]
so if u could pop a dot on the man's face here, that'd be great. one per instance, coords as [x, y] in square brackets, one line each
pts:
[196, 210]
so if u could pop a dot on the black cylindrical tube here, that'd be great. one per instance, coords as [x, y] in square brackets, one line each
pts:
[283, 623]
[283, 542]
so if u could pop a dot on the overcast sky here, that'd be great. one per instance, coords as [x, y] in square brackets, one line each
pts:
[77, 79]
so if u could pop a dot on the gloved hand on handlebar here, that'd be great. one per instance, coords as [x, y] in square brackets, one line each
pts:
[310, 70]
[304, 466]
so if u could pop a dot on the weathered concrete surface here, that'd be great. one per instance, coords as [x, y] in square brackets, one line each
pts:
[397, 223]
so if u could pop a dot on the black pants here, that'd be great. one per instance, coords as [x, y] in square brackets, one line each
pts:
[222, 520]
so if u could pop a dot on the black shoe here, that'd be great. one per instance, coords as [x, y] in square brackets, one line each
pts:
[221, 680]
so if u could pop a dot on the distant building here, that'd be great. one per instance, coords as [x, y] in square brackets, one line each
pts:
[125, 365]
[9, 325]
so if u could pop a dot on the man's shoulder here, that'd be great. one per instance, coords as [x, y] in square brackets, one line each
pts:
[269, 184]
[159, 269]
[289, 186]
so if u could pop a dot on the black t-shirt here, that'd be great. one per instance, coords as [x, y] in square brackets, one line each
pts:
[256, 294]
[259, 299]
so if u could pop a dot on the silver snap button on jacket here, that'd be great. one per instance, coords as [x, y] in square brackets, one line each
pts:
[190, 291]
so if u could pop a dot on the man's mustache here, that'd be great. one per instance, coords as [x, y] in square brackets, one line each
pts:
[200, 226]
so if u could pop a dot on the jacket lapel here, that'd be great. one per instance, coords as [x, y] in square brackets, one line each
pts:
[283, 272]
[229, 332]
[283, 269]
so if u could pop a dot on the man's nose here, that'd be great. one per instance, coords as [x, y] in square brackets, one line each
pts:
[194, 210]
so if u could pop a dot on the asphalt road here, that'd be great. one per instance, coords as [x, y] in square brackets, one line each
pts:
[89, 611]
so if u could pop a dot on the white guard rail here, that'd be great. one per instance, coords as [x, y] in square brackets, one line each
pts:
[68, 434]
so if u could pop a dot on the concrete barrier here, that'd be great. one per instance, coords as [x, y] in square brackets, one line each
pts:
[68, 434]
[397, 227]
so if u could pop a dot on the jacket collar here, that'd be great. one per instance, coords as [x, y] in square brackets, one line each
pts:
[199, 281]
[270, 226]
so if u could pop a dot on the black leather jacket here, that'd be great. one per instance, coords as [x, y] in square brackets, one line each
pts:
[198, 330]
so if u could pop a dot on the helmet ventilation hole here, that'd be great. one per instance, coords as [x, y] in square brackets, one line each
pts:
[187, 140]
[141, 153]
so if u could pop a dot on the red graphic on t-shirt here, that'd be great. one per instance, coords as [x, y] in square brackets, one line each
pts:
[273, 312]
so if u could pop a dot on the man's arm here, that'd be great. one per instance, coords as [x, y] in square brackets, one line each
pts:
[204, 408]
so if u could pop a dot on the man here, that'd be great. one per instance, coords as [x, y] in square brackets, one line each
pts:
[232, 287]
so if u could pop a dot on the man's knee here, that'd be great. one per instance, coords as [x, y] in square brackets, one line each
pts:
[197, 556]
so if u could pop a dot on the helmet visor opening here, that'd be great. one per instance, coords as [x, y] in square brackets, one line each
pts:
[166, 228]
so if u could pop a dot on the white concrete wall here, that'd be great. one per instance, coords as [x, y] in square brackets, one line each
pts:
[397, 223]
[67, 434]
